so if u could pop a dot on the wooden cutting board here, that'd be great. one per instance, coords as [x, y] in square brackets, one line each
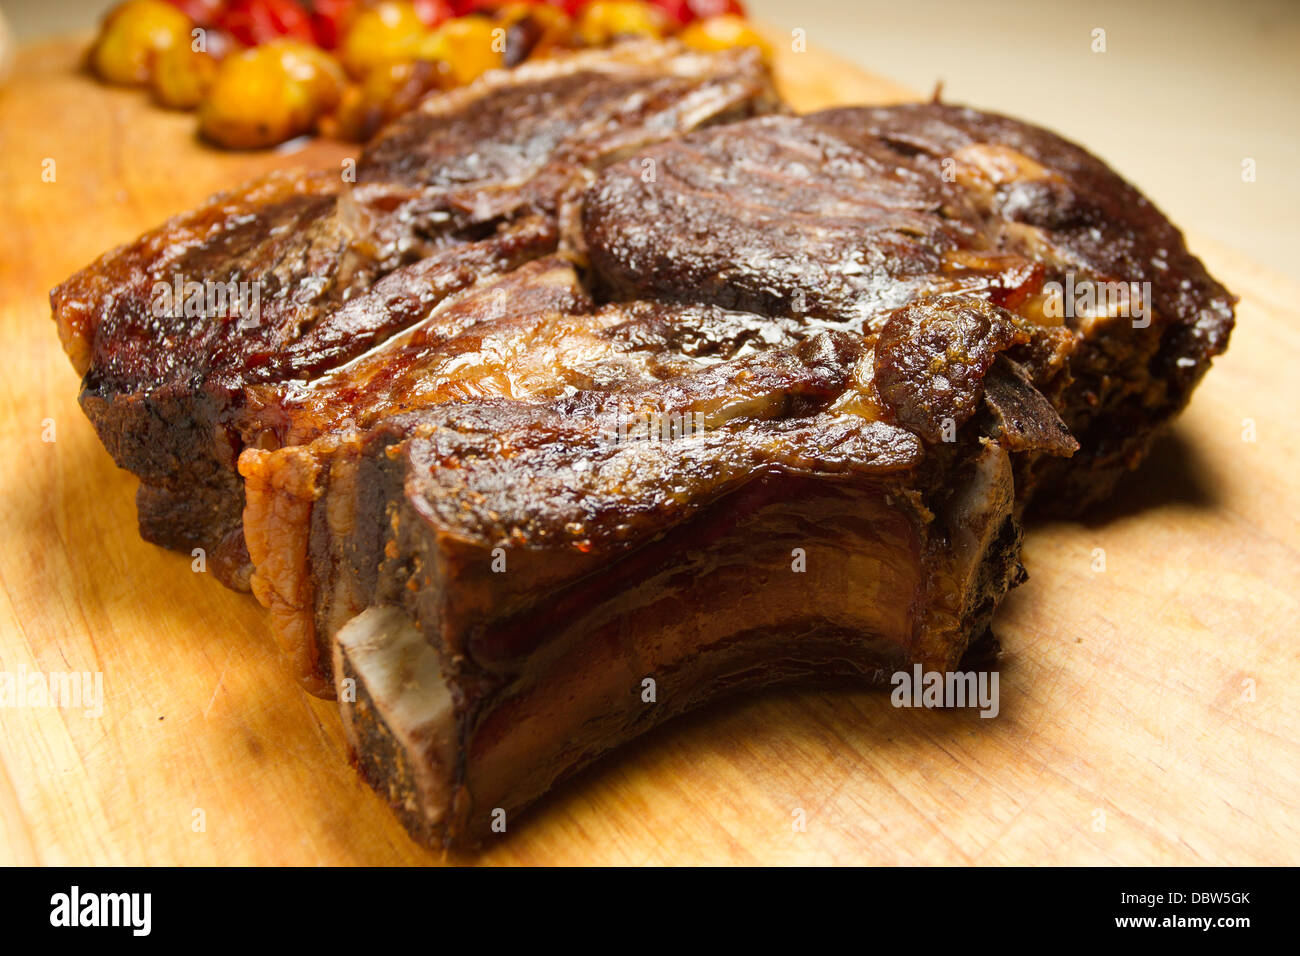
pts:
[1149, 711]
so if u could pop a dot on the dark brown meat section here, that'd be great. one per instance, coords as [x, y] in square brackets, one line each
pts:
[781, 218]
[842, 216]
[532, 139]
[967, 334]
[468, 186]
[174, 398]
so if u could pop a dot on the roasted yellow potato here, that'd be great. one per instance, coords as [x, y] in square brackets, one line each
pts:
[470, 46]
[132, 36]
[182, 75]
[388, 32]
[723, 32]
[603, 20]
[269, 94]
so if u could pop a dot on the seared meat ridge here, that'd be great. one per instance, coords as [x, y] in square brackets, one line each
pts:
[467, 187]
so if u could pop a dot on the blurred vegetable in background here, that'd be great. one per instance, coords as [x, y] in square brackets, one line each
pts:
[722, 32]
[133, 35]
[182, 76]
[271, 93]
[253, 22]
[603, 20]
[260, 72]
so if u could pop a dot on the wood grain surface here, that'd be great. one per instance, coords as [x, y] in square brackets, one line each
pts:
[1150, 711]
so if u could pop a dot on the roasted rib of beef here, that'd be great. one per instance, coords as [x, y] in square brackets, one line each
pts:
[565, 423]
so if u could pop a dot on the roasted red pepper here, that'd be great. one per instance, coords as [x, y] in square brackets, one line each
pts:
[253, 22]
[330, 19]
[570, 7]
[204, 13]
[434, 12]
[685, 11]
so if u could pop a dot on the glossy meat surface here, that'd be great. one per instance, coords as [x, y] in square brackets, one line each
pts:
[532, 138]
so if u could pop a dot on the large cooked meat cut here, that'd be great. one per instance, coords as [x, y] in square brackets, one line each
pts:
[609, 388]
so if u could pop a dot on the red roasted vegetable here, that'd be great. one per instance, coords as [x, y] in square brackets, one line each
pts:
[203, 13]
[686, 11]
[254, 22]
[702, 9]
[434, 12]
[330, 19]
[570, 7]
